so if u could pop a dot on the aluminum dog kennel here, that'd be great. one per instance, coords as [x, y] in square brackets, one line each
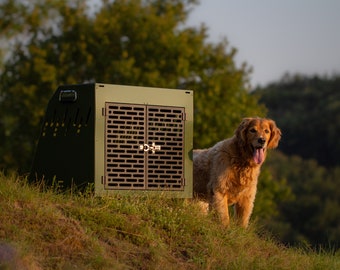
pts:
[121, 138]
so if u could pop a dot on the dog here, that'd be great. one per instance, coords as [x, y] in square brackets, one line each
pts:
[226, 174]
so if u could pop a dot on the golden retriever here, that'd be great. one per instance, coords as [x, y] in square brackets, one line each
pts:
[226, 174]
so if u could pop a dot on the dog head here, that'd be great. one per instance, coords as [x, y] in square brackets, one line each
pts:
[257, 135]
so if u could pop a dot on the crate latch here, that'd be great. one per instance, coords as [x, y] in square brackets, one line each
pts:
[147, 147]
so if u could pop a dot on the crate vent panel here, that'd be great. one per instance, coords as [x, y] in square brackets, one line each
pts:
[144, 147]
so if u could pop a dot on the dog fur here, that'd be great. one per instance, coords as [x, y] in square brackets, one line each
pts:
[226, 174]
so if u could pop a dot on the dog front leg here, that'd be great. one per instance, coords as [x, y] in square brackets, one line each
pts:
[243, 210]
[220, 204]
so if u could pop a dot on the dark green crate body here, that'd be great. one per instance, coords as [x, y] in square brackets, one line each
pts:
[65, 148]
[121, 138]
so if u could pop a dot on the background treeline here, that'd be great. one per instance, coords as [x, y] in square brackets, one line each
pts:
[307, 109]
[147, 43]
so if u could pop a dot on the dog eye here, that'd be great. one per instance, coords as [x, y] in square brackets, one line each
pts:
[267, 131]
[253, 130]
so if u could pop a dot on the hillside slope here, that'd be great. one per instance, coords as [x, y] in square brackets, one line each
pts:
[51, 230]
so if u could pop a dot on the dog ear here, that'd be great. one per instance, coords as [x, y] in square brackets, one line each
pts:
[275, 135]
[241, 131]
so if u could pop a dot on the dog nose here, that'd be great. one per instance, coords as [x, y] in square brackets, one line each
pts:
[261, 141]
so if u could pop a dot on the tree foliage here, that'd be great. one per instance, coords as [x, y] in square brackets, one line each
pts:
[311, 215]
[308, 112]
[133, 42]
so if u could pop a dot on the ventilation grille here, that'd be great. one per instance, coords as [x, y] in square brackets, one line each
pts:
[66, 122]
[144, 147]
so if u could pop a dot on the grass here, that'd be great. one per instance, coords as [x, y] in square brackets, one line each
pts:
[53, 230]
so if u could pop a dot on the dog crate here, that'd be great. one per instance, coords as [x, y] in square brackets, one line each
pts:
[121, 138]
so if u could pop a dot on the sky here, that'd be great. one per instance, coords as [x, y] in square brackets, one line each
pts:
[276, 36]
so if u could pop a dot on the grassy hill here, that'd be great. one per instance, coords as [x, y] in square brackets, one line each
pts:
[44, 229]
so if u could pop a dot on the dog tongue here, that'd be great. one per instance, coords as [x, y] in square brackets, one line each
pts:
[258, 156]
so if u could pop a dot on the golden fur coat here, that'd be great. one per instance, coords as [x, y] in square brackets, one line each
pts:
[226, 174]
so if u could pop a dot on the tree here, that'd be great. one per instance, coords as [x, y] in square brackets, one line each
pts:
[308, 111]
[123, 42]
[310, 213]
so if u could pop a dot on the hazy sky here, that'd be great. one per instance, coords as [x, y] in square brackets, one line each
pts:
[276, 36]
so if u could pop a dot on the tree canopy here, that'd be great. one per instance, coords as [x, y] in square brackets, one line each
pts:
[145, 43]
[307, 109]
[309, 215]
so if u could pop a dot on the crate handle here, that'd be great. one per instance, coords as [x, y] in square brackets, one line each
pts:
[68, 96]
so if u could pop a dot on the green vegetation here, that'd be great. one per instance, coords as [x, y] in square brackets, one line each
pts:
[144, 43]
[307, 111]
[53, 230]
[44, 44]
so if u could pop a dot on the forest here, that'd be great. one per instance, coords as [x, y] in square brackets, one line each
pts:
[307, 109]
[146, 43]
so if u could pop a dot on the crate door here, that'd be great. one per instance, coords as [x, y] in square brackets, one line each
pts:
[124, 161]
[165, 129]
[144, 147]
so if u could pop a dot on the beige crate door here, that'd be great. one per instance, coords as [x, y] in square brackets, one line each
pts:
[125, 132]
[165, 130]
[144, 147]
